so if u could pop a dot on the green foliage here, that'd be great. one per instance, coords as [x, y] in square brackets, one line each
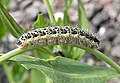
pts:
[72, 52]
[39, 77]
[8, 73]
[82, 18]
[50, 12]
[66, 20]
[19, 73]
[10, 23]
[64, 70]
[15, 73]
[43, 52]
[5, 3]
[2, 29]
[59, 21]
[57, 70]
[40, 21]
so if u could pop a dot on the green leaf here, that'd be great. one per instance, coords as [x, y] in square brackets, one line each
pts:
[15, 73]
[64, 70]
[50, 12]
[35, 74]
[19, 73]
[59, 21]
[66, 19]
[75, 53]
[71, 52]
[82, 18]
[40, 21]
[10, 23]
[5, 3]
[2, 29]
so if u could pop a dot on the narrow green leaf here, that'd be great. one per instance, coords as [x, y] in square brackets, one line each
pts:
[66, 19]
[64, 70]
[50, 12]
[82, 18]
[40, 21]
[2, 29]
[10, 23]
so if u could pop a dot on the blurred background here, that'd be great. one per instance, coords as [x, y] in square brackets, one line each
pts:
[104, 21]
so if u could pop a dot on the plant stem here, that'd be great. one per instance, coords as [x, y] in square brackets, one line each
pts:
[12, 53]
[92, 51]
[50, 12]
[103, 57]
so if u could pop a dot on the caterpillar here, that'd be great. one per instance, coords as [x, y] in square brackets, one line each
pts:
[71, 35]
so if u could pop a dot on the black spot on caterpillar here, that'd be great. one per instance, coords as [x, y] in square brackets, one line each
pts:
[58, 35]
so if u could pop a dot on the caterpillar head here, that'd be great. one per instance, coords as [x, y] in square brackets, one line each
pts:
[21, 41]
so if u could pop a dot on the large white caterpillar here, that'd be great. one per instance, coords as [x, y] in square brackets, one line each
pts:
[58, 35]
